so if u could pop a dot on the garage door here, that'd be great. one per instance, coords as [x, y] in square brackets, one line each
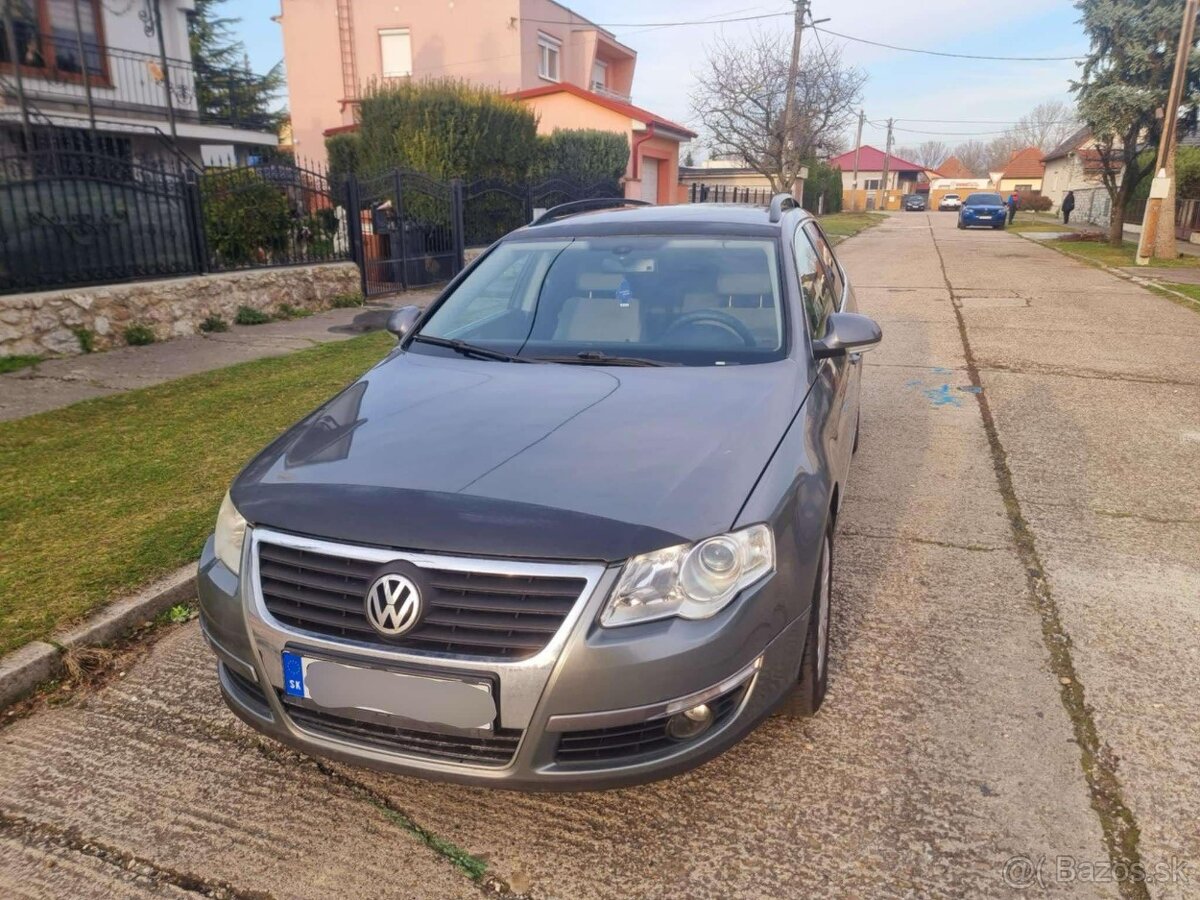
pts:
[650, 179]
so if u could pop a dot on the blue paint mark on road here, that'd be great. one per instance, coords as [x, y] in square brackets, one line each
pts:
[941, 396]
[971, 389]
[940, 371]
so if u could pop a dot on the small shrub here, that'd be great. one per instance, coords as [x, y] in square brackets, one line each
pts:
[138, 335]
[347, 300]
[248, 315]
[213, 324]
[286, 311]
[1035, 203]
[86, 338]
[247, 219]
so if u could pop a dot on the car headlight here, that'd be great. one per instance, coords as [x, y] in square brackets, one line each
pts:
[229, 535]
[692, 581]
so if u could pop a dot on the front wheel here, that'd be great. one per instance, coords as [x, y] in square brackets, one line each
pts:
[806, 697]
[961, 226]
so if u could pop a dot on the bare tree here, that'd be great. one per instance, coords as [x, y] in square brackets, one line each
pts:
[1001, 148]
[973, 155]
[739, 98]
[929, 154]
[1046, 126]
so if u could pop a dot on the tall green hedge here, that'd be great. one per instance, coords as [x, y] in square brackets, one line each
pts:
[586, 154]
[342, 150]
[442, 128]
[825, 179]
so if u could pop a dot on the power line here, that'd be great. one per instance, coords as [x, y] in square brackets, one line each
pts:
[678, 24]
[858, 40]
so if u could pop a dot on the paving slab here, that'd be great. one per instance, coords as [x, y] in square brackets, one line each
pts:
[1102, 434]
[131, 770]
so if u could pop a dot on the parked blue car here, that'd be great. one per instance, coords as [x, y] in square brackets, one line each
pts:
[982, 210]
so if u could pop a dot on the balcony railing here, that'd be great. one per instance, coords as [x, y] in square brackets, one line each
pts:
[129, 81]
[610, 94]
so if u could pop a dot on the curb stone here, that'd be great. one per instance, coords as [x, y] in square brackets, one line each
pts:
[22, 670]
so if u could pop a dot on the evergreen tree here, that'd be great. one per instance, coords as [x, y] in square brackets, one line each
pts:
[226, 88]
[1123, 86]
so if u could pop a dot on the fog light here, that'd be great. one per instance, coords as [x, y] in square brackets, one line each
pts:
[689, 724]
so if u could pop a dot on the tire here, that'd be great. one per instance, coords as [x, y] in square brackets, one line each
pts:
[961, 226]
[806, 697]
[999, 227]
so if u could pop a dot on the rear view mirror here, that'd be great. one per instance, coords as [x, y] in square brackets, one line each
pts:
[402, 320]
[847, 333]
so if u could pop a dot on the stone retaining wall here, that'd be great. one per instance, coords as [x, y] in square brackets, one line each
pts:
[48, 323]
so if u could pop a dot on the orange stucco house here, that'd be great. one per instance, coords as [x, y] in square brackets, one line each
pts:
[572, 72]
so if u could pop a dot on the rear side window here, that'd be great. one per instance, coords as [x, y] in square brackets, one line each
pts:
[816, 283]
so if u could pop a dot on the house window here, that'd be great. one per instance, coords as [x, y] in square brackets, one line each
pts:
[48, 40]
[599, 75]
[872, 184]
[1023, 188]
[395, 51]
[548, 52]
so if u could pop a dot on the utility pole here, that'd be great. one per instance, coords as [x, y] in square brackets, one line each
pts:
[790, 92]
[1162, 189]
[857, 145]
[887, 151]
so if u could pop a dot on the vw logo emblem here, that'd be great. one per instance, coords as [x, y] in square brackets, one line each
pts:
[393, 605]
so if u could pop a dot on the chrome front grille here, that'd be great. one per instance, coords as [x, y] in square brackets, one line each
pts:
[502, 616]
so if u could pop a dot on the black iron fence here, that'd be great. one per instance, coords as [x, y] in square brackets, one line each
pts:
[78, 212]
[75, 213]
[699, 192]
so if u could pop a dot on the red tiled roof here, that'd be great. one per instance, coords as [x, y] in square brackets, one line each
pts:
[1025, 163]
[954, 168]
[871, 160]
[625, 109]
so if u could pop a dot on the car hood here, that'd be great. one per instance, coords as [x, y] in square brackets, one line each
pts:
[467, 456]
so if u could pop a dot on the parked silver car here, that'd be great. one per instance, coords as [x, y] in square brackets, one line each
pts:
[576, 530]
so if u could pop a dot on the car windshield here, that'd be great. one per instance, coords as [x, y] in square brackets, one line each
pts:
[984, 200]
[951, 197]
[647, 299]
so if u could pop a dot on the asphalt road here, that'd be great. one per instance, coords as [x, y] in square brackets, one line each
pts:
[1014, 668]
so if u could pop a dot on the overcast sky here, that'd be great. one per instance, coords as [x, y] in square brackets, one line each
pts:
[901, 85]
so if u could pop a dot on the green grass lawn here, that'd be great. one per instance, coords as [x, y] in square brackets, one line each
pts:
[103, 496]
[847, 224]
[13, 363]
[1119, 256]
[1036, 225]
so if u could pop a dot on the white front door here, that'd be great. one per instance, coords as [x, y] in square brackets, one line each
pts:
[650, 179]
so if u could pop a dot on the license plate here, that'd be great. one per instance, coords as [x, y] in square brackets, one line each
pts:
[981, 216]
[457, 703]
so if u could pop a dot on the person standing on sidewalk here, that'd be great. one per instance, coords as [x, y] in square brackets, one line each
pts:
[1068, 207]
[1014, 203]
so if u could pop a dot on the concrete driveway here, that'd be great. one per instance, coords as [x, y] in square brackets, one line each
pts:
[1014, 672]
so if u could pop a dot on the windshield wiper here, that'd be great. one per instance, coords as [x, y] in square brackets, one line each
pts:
[596, 358]
[468, 349]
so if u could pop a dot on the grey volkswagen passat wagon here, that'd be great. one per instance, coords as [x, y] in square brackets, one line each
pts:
[576, 530]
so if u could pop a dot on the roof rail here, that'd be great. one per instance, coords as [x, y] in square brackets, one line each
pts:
[779, 203]
[569, 209]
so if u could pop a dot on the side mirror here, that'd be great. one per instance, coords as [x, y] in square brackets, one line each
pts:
[401, 321]
[847, 333]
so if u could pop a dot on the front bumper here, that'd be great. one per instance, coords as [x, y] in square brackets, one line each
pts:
[586, 711]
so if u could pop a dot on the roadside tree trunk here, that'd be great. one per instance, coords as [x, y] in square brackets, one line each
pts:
[1164, 239]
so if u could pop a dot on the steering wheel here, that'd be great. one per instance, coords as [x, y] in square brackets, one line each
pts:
[715, 317]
